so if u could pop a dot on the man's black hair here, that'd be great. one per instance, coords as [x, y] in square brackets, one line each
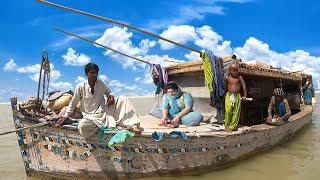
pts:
[90, 66]
[172, 85]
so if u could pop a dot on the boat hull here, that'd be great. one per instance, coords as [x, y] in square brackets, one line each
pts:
[57, 152]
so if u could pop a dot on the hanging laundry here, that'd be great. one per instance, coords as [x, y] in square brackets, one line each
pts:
[214, 78]
[159, 76]
[218, 71]
[208, 75]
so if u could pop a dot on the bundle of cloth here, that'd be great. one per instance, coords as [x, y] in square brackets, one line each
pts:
[59, 100]
[28, 107]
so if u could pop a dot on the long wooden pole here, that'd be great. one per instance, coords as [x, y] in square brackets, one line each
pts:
[91, 41]
[118, 23]
[32, 126]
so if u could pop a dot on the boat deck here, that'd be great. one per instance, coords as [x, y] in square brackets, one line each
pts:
[150, 125]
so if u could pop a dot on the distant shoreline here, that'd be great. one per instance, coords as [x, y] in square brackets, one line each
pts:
[7, 103]
[4, 103]
[130, 97]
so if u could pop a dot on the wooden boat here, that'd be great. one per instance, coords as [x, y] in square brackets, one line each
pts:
[61, 152]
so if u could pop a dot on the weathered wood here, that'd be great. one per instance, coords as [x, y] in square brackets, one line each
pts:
[21, 136]
[61, 152]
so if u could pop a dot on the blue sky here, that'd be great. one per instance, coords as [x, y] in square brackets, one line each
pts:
[278, 32]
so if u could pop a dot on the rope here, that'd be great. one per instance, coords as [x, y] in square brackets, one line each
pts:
[93, 42]
[44, 77]
[118, 23]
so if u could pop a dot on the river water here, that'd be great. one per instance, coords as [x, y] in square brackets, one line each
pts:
[298, 158]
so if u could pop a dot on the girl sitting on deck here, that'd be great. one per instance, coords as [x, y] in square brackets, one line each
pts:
[177, 108]
[278, 109]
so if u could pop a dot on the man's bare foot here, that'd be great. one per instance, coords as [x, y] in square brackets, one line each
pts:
[136, 130]
[227, 129]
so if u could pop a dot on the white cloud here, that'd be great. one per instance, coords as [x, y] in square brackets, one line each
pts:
[10, 66]
[253, 49]
[193, 56]
[75, 59]
[204, 37]
[199, 12]
[80, 79]
[147, 78]
[55, 74]
[116, 84]
[33, 72]
[297, 60]
[63, 86]
[29, 69]
[190, 11]
[234, 1]
[210, 40]
[8, 92]
[164, 60]
[118, 39]
[131, 88]
[145, 45]
[103, 77]
[186, 13]
[126, 89]
[181, 34]
[90, 31]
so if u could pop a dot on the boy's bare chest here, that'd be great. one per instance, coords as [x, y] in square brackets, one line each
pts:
[233, 80]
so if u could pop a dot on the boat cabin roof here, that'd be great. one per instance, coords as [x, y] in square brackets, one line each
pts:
[244, 68]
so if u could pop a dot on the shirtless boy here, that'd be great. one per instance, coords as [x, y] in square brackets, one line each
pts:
[234, 81]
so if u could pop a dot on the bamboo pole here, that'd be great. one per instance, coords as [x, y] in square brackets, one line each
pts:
[118, 23]
[91, 41]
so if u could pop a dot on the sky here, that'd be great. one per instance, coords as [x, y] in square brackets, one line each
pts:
[281, 33]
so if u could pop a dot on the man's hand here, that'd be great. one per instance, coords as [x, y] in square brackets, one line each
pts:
[244, 98]
[110, 100]
[61, 120]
